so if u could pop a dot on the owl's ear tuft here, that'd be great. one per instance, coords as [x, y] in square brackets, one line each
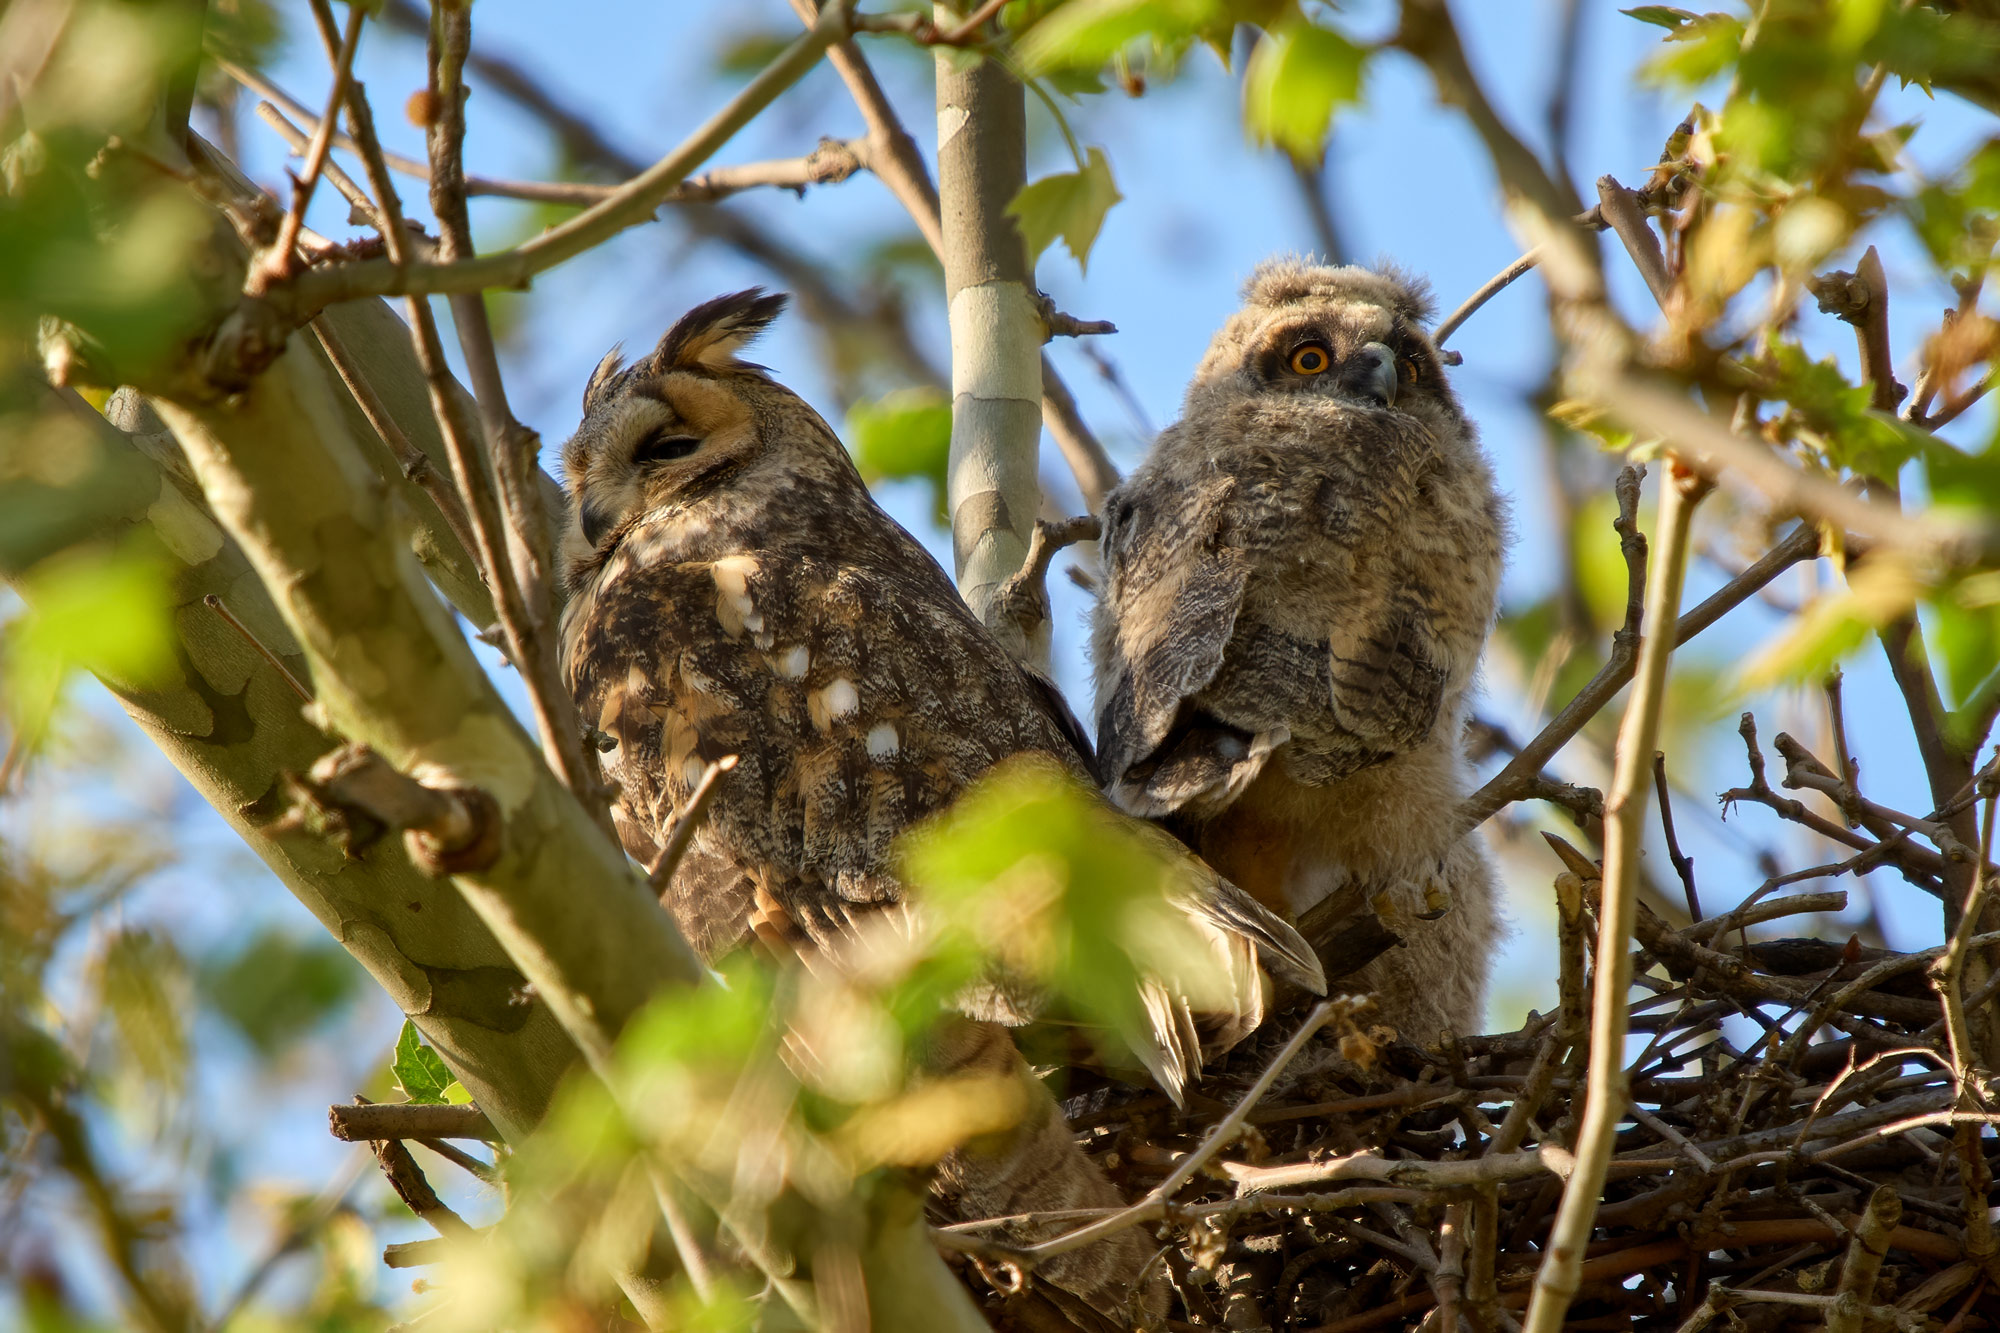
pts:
[602, 377]
[709, 336]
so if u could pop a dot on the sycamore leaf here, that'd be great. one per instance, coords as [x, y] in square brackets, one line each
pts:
[902, 436]
[1086, 33]
[1661, 16]
[1833, 625]
[1298, 74]
[1071, 205]
[420, 1072]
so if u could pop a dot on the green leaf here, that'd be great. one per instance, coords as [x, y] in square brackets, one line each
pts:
[1297, 75]
[1071, 205]
[106, 611]
[1033, 868]
[902, 436]
[278, 987]
[420, 1071]
[1086, 33]
[1661, 16]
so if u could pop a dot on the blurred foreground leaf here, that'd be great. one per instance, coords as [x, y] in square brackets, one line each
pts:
[94, 608]
[904, 436]
[1297, 76]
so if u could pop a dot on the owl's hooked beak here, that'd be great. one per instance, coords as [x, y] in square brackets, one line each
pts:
[1368, 376]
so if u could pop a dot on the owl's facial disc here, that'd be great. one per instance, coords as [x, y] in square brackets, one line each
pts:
[1361, 358]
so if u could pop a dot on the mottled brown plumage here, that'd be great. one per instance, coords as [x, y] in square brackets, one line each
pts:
[1300, 580]
[736, 590]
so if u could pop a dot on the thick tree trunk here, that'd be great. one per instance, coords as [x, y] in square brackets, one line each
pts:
[230, 723]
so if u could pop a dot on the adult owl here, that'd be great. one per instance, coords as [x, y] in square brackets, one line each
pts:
[1299, 581]
[735, 589]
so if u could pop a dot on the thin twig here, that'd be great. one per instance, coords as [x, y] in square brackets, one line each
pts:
[1560, 1274]
[300, 142]
[1683, 864]
[216, 604]
[282, 260]
[1225, 1131]
[833, 161]
[688, 824]
[1492, 287]
[1510, 782]
[631, 204]
[519, 548]
[415, 464]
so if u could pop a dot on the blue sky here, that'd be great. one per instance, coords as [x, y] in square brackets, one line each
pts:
[1201, 208]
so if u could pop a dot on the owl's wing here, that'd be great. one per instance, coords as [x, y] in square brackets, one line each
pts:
[1174, 588]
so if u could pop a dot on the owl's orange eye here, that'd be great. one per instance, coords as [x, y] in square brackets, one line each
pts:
[1310, 359]
[1407, 369]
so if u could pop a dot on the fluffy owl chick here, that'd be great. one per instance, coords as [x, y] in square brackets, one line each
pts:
[736, 590]
[1300, 579]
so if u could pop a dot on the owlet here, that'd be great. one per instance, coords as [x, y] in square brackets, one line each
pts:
[1299, 581]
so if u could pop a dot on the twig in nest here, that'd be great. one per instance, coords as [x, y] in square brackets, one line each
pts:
[1155, 1203]
[688, 824]
[1863, 1264]
[1683, 864]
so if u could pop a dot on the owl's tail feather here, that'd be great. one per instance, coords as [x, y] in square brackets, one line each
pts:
[1244, 945]
[1036, 1167]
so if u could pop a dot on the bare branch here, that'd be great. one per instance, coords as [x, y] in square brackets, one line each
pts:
[1620, 210]
[1493, 286]
[1514, 781]
[282, 262]
[289, 303]
[363, 1121]
[1560, 1274]
[1024, 598]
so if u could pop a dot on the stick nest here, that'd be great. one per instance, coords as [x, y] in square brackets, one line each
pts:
[1831, 1170]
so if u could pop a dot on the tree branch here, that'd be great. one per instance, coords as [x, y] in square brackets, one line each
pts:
[992, 487]
[247, 340]
[1560, 1274]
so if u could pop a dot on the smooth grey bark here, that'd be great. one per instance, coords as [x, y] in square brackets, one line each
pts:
[992, 484]
[231, 725]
